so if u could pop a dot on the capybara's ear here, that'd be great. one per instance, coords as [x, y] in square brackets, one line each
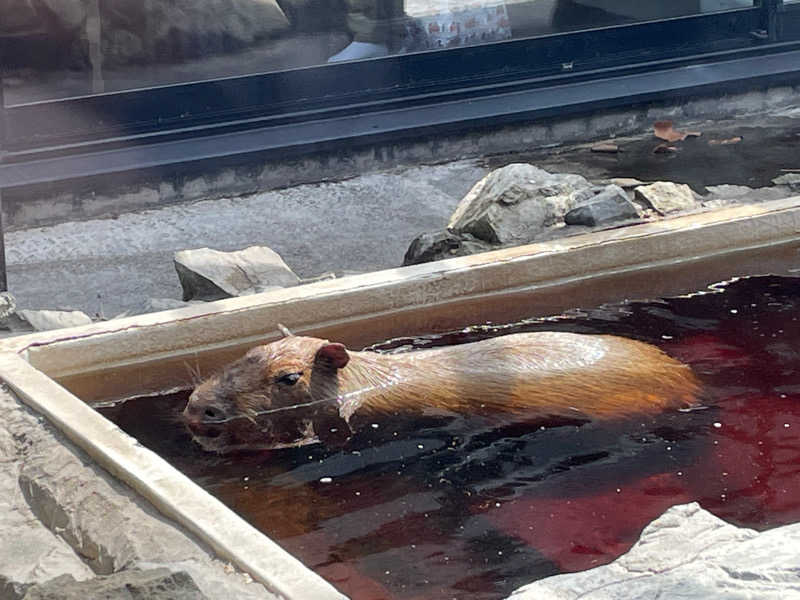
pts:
[333, 354]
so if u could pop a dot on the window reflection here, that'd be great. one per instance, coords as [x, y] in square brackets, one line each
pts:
[580, 14]
[61, 48]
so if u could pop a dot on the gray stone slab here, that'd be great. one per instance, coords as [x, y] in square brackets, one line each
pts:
[792, 180]
[30, 552]
[135, 584]
[70, 515]
[608, 206]
[688, 554]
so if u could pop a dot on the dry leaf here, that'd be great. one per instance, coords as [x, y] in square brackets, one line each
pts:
[663, 130]
[608, 148]
[733, 140]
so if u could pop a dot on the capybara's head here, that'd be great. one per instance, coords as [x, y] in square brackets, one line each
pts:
[278, 395]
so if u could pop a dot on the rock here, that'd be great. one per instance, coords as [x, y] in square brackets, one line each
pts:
[169, 30]
[666, 197]
[727, 191]
[625, 183]
[159, 304]
[50, 485]
[722, 195]
[609, 206]
[439, 245]
[207, 274]
[36, 554]
[45, 320]
[513, 204]
[688, 553]
[8, 306]
[154, 584]
[790, 179]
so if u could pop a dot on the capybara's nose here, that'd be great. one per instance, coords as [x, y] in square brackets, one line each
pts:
[197, 411]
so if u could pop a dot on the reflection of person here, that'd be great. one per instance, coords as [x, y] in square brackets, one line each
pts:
[375, 26]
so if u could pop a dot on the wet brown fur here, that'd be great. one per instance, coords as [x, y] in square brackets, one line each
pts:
[532, 375]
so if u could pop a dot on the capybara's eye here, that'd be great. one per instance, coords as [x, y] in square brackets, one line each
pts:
[289, 378]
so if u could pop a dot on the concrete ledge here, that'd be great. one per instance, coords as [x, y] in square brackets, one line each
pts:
[165, 487]
[429, 297]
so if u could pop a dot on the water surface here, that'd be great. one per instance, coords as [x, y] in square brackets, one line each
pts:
[469, 509]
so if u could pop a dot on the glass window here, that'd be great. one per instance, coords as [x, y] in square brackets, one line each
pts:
[65, 48]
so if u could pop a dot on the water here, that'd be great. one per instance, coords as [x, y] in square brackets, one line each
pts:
[463, 508]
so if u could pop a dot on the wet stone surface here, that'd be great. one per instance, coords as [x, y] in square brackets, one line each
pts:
[69, 517]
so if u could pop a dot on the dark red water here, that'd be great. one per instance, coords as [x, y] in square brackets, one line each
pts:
[458, 508]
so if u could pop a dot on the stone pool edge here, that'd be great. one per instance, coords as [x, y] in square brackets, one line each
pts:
[28, 362]
[167, 489]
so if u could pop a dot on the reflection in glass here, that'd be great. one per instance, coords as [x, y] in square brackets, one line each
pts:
[61, 48]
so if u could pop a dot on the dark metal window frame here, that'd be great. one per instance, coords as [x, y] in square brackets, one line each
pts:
[296, 110]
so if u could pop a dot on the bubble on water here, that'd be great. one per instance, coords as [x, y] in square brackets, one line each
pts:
[717, 424]
[326, 479]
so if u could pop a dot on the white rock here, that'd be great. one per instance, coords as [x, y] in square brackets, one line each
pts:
[666, 197]
[513, 204]
[208, 274]
[690, 554]
[790, 179]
